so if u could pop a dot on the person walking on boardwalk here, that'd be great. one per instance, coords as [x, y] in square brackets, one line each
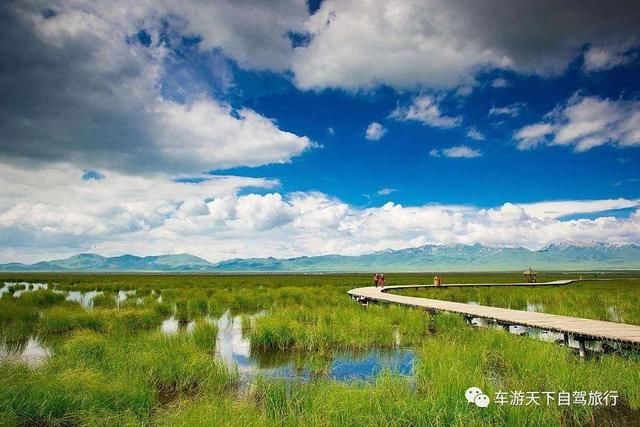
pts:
[381, 280]
[375, 279]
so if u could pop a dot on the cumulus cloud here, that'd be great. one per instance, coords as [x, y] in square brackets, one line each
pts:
[460, 151]
[584, 123]
[98, 154]
[54, 212]
[358, 44]
[61, 188]
[254, 33]
[78, 85]
[54, 206]
[352, 44]
[425, 109]
[375, 131]
[208, 134]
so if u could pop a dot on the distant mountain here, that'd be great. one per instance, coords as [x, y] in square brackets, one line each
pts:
[93, 262]
[454, 258]
[565, 256]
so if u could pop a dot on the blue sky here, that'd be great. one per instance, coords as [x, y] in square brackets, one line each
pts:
[337, 121]
[401, 160]
[235, 130]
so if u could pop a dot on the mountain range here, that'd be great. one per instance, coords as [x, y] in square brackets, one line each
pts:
[565, 256]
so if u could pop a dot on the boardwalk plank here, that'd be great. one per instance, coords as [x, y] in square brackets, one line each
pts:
[578, 327]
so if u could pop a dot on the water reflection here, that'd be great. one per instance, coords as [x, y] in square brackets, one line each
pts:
[234, 348]
[614, 314]
[122, 296]
[32, 352]
[535, 308]
[544, 335]
[24, 287]
[84, 298]
[172, 326]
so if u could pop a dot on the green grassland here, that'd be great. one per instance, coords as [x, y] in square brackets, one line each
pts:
[111, 365]
[615, 300]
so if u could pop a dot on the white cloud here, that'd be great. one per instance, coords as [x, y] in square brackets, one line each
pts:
[101, 101]
[386, 191]
[532, 135]
[80, 94]
[55, 207]
[585, 123]
[52, 212]
[460, 151]
[359, 44]
[563, 208]
[375, 131]
[356, 45]
[207, 134]
[425, 109]
[500, 83]
[466, 89]
[254, 33]
[601, 59]
[474, 133]
[512, 110]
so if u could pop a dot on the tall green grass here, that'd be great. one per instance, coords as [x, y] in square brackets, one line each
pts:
[113, 367]
[615, 300]
[96, 376]
[211, 411]
[457, 357]
[204, 335]
[351, 327]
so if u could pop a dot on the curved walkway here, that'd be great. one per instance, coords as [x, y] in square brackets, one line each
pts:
[577, 328]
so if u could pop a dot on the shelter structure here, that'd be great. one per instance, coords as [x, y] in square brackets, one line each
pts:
[530, 276]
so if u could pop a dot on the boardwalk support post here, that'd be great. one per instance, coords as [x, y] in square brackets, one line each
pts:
[581, 348]
[573, 329]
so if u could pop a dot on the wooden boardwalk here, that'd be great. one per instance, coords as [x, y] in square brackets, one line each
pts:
[579, 329]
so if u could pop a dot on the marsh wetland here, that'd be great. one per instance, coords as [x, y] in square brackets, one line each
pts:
[293, 350]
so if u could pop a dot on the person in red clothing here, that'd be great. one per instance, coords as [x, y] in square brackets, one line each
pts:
[381, 280]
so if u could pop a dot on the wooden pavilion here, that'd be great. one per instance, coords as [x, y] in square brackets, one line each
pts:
[530, 276]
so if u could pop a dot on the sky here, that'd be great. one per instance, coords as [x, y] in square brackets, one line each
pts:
[235, 129]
